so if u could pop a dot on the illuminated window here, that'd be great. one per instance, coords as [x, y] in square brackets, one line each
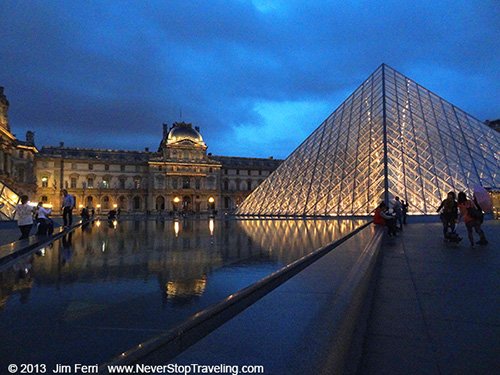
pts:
[45, 182]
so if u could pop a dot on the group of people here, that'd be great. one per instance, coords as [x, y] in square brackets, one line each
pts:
[450, 210]
[471, 213]
[392, 216]
[27, 215]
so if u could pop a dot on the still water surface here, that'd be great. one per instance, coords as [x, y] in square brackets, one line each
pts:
[105, 288]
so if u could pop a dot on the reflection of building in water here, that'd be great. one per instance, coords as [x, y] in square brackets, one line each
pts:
[183, 288]
[288, 240]
[182, 265]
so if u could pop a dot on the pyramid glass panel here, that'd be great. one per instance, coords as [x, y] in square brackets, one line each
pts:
[391, 137]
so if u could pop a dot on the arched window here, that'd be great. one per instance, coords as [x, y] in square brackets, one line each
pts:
[160, 203]
[105, 202]
[226, 185]
[45, 181]
[90, 201]
[122, 202]
[137, 203]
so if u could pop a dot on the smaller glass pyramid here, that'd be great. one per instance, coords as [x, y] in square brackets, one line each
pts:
[391, 137]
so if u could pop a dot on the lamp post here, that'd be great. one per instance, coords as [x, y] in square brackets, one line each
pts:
[211, 205]
[176, 201]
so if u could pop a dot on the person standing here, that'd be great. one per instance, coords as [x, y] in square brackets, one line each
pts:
[24, 215]
[448, 211]
[398, 209]
[67, 208]
[43, 220]
[472, 218]
[405, 210]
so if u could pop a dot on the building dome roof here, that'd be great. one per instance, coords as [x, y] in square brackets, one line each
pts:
[182, 132]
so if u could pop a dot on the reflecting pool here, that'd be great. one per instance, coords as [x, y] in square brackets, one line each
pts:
[104, 288]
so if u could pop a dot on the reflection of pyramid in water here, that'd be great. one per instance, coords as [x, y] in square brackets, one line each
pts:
[391, 137]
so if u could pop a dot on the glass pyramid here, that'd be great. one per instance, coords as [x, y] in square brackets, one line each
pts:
[391, 137]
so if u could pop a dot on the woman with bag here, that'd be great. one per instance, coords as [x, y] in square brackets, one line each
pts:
[472, 216]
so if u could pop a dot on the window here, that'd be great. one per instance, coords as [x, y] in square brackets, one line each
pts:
[45, 182]
[249, 185]
[197, 183]
[260, 172]
[90, 183]
[73, 182]
[237, 171]
[210, 170]
[122, 182]
[21, 154]
[105, 202]
[226, 185]
[225, 171]
[137, 203]
[137, 183]
[74, 166]
[174, 183]
[186, 183]
[44, 199]
[106, 167]
[122, 168]
[91, 167]
[20, 173]
[105, 182]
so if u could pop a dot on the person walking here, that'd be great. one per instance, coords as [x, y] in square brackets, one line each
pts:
[67, 208]
[24, 215]
[448, 211]
[398, 210]
[472, 217]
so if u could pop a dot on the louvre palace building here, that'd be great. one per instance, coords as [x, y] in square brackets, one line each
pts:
[180, 176]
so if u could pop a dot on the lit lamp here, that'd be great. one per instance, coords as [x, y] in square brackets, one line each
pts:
[80, 206]
[98, 206]
[115, 205]
[211, 205]
[176, 201]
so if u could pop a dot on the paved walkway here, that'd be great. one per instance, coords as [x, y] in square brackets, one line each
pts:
[9, 231]
[436, 308]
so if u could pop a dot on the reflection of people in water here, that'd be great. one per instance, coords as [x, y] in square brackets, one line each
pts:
[24, 276]
[66, 251]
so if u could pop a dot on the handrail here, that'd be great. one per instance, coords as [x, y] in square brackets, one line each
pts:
[199, 325]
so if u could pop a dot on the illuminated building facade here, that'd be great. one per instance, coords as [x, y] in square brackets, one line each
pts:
[391, 137]
[179, 177]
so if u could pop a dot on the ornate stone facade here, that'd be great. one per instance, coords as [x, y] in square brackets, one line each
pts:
[17, 160]
[179, 177]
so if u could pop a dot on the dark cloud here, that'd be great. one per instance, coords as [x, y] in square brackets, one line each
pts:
[108, 74]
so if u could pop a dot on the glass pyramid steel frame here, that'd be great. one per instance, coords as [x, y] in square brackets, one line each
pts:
[391, 137]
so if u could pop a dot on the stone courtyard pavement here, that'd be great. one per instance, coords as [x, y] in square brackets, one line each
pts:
[436, 307]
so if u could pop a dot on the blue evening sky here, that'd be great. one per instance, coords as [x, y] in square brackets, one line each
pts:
[256, 76]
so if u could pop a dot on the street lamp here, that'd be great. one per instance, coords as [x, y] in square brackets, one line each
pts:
[211, 205]
[176, 201]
